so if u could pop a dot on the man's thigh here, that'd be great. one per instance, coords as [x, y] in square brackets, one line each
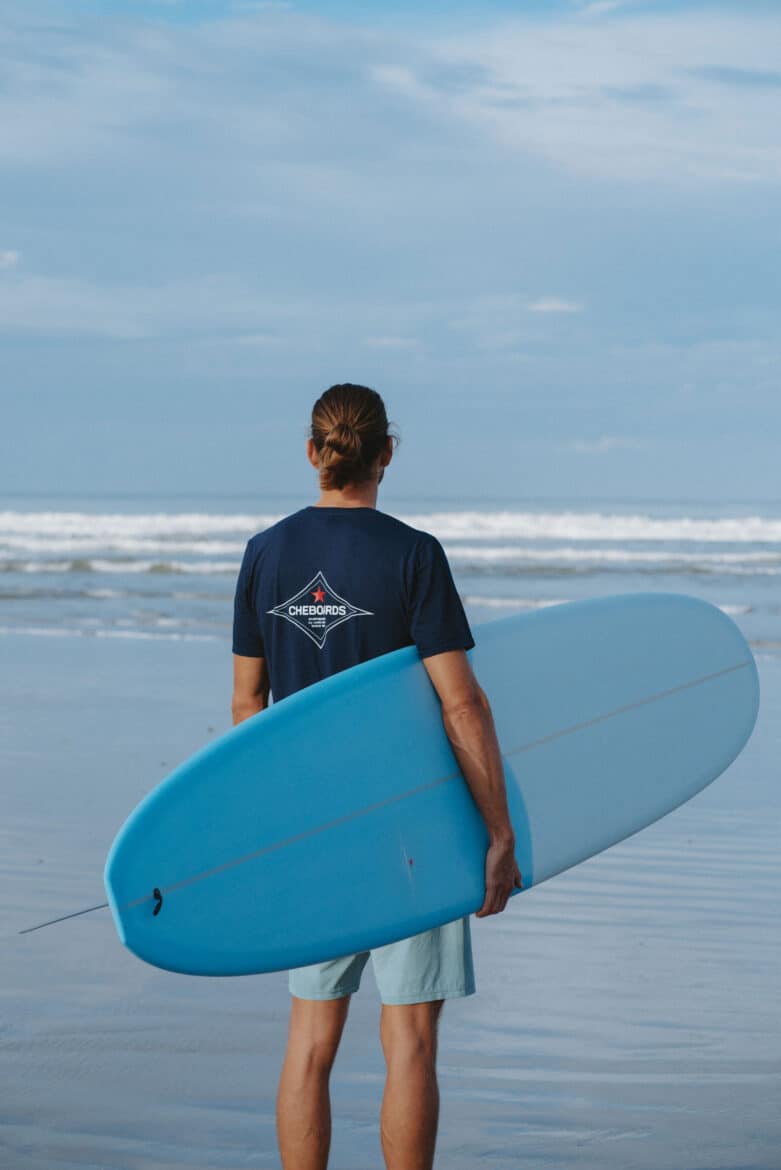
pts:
[330, 980]
[436, 964]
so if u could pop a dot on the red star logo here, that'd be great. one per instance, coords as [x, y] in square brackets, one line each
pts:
[318, 594]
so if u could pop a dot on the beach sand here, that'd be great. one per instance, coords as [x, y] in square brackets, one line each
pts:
[626, 1015]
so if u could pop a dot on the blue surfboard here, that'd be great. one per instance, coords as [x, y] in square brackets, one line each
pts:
[337, 820]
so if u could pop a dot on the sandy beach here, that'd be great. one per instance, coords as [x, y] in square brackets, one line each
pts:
[626, 1012]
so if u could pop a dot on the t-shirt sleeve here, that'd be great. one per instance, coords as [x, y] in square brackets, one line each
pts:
[247, 638]
[437, 619]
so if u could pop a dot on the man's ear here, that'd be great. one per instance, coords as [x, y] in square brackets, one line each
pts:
[311, 454]
[387, 454]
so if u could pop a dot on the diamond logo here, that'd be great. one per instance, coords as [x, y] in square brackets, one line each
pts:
[317, 609]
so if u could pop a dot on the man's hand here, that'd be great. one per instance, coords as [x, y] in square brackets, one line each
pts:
[502, 876]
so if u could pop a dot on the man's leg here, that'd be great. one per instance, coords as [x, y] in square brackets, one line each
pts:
[303, 1103]
[410, 1106]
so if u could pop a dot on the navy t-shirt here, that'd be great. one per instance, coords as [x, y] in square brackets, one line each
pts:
[327, 588]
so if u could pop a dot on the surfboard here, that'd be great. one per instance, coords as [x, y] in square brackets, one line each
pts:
[337, 820]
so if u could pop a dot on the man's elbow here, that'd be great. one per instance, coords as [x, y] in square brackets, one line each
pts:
[242, 707]
[468, 705]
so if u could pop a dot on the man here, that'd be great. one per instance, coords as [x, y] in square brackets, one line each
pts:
[372, 584]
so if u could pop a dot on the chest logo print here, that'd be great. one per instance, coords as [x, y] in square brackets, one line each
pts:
[317, 609]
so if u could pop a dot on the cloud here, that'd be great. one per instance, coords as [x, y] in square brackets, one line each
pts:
[252, 7]
[742, 78]
[228, 309]
[9, 259]
[127, 89]
[60, 306]
[554, 305]
[616, 98]
[396, 192]
[603, 7]
[646, 94]
[603, 445]
[280, 94]
[391, 342]
[260, 340]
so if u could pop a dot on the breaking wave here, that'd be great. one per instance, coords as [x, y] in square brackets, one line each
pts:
[131, 574]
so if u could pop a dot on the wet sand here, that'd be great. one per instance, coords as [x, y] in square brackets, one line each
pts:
[626, 1015]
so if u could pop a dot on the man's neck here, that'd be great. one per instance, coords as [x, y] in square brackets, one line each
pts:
[363, 495]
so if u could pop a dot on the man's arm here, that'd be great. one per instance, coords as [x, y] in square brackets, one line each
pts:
[250, 687]
[469, 725]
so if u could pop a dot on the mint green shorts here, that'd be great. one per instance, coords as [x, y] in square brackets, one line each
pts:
[436, 964]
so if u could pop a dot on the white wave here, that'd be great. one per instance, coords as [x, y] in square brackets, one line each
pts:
[503, 553]
[83, 548]
[200, 568]
[596, 526]
[99, 565]
[116, 525]
[43, 631]
[512, 603]
[470, 524]
[84, 545]
[521, 603]
[462, 558]
[155, 636]
[76, 632]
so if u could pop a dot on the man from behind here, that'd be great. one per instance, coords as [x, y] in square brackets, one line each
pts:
[335, 584]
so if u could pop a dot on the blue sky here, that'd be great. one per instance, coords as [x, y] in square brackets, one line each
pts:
[550, 240]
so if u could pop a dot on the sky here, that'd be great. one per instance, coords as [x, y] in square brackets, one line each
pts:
[547, 233]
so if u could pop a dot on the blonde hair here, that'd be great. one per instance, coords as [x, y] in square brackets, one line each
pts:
[349, 430]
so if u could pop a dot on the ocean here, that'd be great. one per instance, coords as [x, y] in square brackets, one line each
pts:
[627, 1012]
[141, 569]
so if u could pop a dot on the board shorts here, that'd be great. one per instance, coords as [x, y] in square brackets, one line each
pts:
[436, 964]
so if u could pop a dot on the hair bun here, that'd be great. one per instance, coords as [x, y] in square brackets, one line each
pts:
[344, 440]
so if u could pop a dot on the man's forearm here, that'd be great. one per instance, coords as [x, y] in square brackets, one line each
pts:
[470, 729]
